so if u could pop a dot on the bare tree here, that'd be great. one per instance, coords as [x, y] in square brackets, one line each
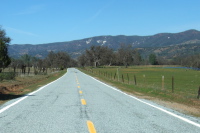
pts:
[107, 56]
[125, 54]
[136, 57]
[97, 55]
[82, 60]
[93, 54]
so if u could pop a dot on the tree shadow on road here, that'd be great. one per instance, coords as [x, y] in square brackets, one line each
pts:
[11, 96]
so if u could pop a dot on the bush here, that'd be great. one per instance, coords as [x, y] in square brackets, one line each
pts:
[7, 76]
[62, 68]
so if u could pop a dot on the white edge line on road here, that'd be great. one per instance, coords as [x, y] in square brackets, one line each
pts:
[27, 95]
[168, 112]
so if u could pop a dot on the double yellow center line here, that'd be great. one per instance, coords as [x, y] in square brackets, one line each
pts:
[90, 125]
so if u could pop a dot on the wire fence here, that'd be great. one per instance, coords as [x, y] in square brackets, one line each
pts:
[10, 73]
[186, 84]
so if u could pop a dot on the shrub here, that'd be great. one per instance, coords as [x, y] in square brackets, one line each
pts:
[7, 76]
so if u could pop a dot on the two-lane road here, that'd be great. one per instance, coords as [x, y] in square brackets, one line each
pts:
[77, 103]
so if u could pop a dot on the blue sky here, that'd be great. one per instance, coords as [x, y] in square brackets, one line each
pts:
[47, 21]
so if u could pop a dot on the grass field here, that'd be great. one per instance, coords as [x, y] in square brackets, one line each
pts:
[153, 81]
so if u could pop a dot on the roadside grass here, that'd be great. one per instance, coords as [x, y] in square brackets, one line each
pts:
[24, 85]
[150, 82]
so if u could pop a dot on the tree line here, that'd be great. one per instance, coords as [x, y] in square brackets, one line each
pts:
[102, 55]
[126, 56]
[58, 61]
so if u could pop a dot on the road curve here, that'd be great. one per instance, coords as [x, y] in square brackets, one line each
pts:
[78, 103]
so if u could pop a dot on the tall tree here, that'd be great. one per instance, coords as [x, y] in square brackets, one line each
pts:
[107, 56]
[27, 62]
[97, 55]
[50, 59]
[125, 54]
[82, 60]
[153, 59]
[93, 55]
[58, 60]
[4, 43]
[62, 60]
[136, 57]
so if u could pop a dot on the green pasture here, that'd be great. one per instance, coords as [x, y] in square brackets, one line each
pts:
[154, 81]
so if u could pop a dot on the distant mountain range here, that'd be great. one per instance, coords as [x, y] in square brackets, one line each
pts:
[168, 45]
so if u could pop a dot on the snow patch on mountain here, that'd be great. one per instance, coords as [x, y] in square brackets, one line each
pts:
[99, 41]
[88, 41]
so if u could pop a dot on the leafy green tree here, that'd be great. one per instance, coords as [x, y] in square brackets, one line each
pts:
[62, 60]
[153, 59]
[4, 43]
[57, 60]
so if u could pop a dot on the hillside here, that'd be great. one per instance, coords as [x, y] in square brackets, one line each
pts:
[164, 44]
[173, 51]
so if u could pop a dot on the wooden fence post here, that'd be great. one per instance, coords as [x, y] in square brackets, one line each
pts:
[118, 73]
[135, 80]
[128, 78]
[122, 78]
[163, 78]
[144, 76]
[198, 93]
[114, 76]
[172, 84]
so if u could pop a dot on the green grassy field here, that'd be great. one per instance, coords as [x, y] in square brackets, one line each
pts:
[149, 81]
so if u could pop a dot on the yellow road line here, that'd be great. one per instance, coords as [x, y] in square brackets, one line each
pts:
[91, 127]
[80, 92]
[83, 101]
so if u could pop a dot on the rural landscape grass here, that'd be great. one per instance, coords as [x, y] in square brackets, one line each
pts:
[154, 81]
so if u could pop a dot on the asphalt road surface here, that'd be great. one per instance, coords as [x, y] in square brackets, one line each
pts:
[77, 103]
